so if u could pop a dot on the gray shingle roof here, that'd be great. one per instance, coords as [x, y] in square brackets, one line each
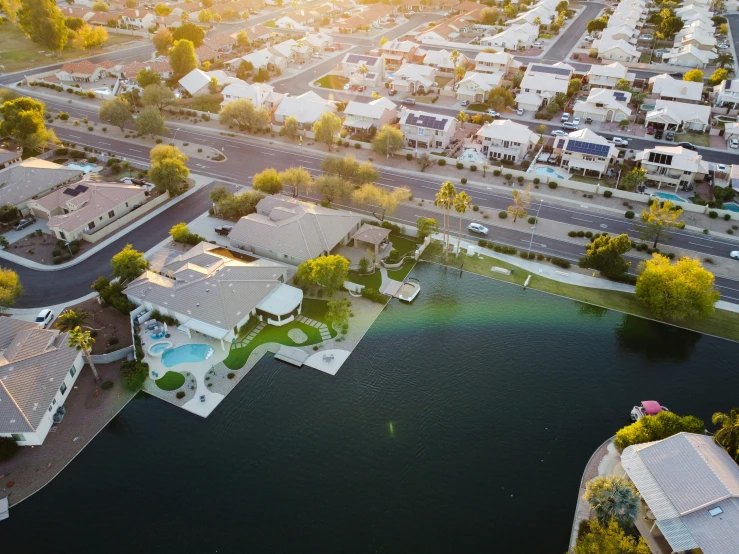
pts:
[298, 229]
[31, 177]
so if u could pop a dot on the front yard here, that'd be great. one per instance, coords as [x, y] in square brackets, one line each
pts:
[335, 82]
[699, 139]
[207, 103]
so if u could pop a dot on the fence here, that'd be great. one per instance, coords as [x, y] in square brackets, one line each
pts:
[112, 356]
[125, 220]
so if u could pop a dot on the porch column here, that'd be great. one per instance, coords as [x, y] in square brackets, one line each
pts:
[300, 307]
[223, 346]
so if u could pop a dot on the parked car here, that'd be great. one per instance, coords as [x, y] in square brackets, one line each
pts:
[23, 223]
[552, 159]
[646, 37]
[589, 39]
[735, 254]
[465, 103]
[658, 133]
[330, 49]
[618, 141]
[44, 318]
[734, 142]
[688, 145]
[650, 130]
[723, 46]
[493, 113]
[559, 133]
[721, 168]
[477, 228]
[670, 135]
[565, 117]
[538, 44]
[588, 120]
[520, 111]
[224, 229]
[576, 121]
[569, 125]
[677, 75]
[408, 101]
[347, 86]
[392, 92]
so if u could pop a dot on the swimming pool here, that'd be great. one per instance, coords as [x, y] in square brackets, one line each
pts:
[731, 207]
[186, 353]
[82, 167]
[159, 348]
[549, 172]
[668, 196]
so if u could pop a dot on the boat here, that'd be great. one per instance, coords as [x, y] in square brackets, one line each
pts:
[648, 407]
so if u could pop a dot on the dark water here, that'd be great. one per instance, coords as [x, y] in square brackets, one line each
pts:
[462, 423]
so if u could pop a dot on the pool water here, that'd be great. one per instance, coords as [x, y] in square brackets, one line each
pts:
[548, 171]
[159, 348]
[186, 353]
[731, 207]
[82, 167]
[668, 196]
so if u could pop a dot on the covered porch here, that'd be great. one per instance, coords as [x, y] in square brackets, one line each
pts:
[282, 306]
[585, 166]
[372, 237]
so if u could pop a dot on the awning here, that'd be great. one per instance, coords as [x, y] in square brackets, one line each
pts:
[579, 163]
[357, 123]
[282, 300]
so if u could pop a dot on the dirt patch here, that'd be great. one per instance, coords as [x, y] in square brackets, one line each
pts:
[107, 322]
[40, 248]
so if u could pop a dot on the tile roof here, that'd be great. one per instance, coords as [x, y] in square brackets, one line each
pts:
[221, 40]
[86, 67]
[371, 234]
[132, 69]
[306, 108]
[31, 177]
[8, 155]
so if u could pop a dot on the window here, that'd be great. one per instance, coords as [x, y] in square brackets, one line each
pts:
[73, 371]
[19, 437]
[63, 388]
[111, 213]
[715, 511]
[91, 225]
[421, 131]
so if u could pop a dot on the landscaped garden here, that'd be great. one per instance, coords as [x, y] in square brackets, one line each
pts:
[335, 82]
[370, 280]
[172, 380]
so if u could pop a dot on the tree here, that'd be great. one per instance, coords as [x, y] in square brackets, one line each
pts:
[677, 292]
[10, 288]
[326, 128]
[540, 129]
[296, 179]
[516, 80]
[462, 202]
[205, 16]
[658, 218]
[637, 99]
[500, 98]
[338, 312]
[244, 70]
[189, 31]
[724, 59]
[426, 226]
[10, 9]
[521, 202]
[74, 23]
[150, 122]
[573, 87]
[219, 193]
[8, 446]
[43, 22]
[388, 141]
[133, 374]
[162, 40]
[128, 264]
[182, 58]
[179, 232]
[459, 73]
[718, 77]
[462, 117]
[597, 25]
[694, 75]
[131, 4]
[242, 39]
[657, 427]
[89, 36]
[728, 436]
[510, 11]
[563, 6]
[243, 113]
[383, 41]
[331, 188]
[69, 319]
[82, 341]
[262, 75]
[623, 84]
[387, 200]
[213, 85]
[23, 120]
[100, 7]
[670, 26]
[163, 152]
[115, 112]
[146, 77]
[268, 182]
[291, 127]
[611, 496]
[328, 272]
[490, 16]
[349, 168]
[158, 96]
[609, 539]
[605, 254]
[169, 175]
[163, 10]
[362, 70]
[445, 200]
[238, 206]
[454, 58]
[633, 179]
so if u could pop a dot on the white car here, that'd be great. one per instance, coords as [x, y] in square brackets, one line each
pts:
[538, 44]
[589, 39]
[735, 254]
[734, 142]
[721, 168]
[44, 318]
[569, 125]
[347, 86]
[618, 141]
[565, 117]
[477, 228]
[576, 121]
[493, 113]
[559, 133]
[465, 103]
[723, 46]
[519, 111]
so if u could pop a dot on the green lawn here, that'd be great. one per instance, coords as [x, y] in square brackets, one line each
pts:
[172, 380]
[591, 180]
[206, 103]
[477, 108]
[699, 139]
[721, 324]
[335, 82]
[545, 36]
[404, 245]
[372, 280]
[645, 57]
[402, 273]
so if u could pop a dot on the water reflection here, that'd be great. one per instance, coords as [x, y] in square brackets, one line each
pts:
[593, 311]
[655, 341]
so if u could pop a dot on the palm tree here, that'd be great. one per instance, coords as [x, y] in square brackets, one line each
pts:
[728, 435]
[71, 319]
[362, 70]
[459, 72]
[612, 496]
[81, 340]
[454, 57]
[724, 59]
[445, 200]
[462, 202]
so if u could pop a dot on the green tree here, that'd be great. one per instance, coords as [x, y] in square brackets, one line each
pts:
[331, 188]
[521, 202]
[158, 96]
[69, 319]
[657, 427]
[426, 226]
[349, 168]
[658, 218]
[724, 59]
[182, 58]
[611, 496]
[133, 374]
[605, 254]
[128, 264]
[388, 141]
[218, 193]
[162, 40]
[694, 75]
[169, 175]
[115, 112]
[262, 75]
[146, 77]
[490, 16]
[676, 291]
[205, 16]
[180, 232]
[82, 341]
[327, 128]
[150, 121]
[563, 6]
[163, 152]
[268, 182]
[23, 120]
[728, 435]
[633, 179]
[516, 80]
[445, 200]
[10, 288]
[540, 129]
[100, 7]
[597, 25]
[290, 128]
[462, 202]
[242, 39]
[8, 446]
[609, 539]
[10, 9]
[501, 98]
[243, 113]
[386, 200]
[43, 22]
[573, 87]
[718, 77]
[74, 23]
[510, 11]
[213, 86]
[163, 10]
[233, 206]
[338, 312]
[624, 85]
[296, 179]
[189, 31]
[328, 272]
[89, 36]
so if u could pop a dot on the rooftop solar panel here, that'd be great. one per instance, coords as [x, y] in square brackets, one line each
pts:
[590, 148]
[70, 192]
[428, 121]
[550, 69]
[560, 143]
[620, 96]
[358, 58]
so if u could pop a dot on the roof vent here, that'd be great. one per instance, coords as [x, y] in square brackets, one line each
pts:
[715, 511]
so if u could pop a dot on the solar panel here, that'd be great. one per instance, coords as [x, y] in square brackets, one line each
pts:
[620, 96]
[560, 143]
[358, 58]
[591, 148]
[550, 69]
[425, 120]
[81, 188]
[70, 192]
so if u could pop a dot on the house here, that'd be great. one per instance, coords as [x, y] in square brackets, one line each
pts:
[674, 116]
[544, 14]
[351, 62]
[727, 93]
[9, 157]
[691, 487]
[299, 20]
[130, 70]
[493, 62]
[606, 76]
[195, 83]
[80, 210]
[21, 181]
[84, 71]
[214, 294]
[689, 56]
[257, 32]
[427, 130]
[38, 369]
[138, 19]
[474, 87]
[306, 108]
[399, 51]
[442, 62]
[517, 36]
[362, 117]
[616, 49]
[668, 88]
[205, 53]
[221, 43]
[411, 78]
[504, 139]
[673, 166]
[541, 83]
[291, 50]
[264, 58]
[259, 94]
[102, 18]
[585, 151]
[604, 104]
[691, 11]
[620, 31]
[374, 15]
[698, 38]
[291, 231]
[317, 41]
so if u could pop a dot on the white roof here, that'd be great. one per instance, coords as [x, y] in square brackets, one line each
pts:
[258, 93]
[286, 48]
[544, 82]
[683, 112]
[399, 46]
[318, 39]
[704, 56]
[664, 85]
[195, 81]
[529, 98]
[306, 108]
[441, 58]
[615, 70]
[373, 110]
[282, 300]
[503, 58]
[485, 81]
[682, 158]
[261, 58]
[415, 72]
[505, 129]
[607, 44]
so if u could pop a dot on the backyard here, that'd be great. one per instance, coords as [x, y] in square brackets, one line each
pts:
[335, 82]
[172, 380]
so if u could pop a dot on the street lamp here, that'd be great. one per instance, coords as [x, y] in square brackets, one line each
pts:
[533, 229]
[175, 136]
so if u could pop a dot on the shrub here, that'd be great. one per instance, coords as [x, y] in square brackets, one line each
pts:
[107, 385]
[540, 257]
[572, 234]
[8, 448]
[553, 185]
[61, 151]
[180, 394]
[712, 214]
[475, 208]
[482, 243]
[508, 176]
[519, 179]
[561, 263]
[158, 141]
[502, 215]
[74, 248]
[496, 172]
[607, 193]
[629, 214]
[113, 340]
[56, 252]
[373, 295]
[464, 180]
[727, 217]
[56, 260]
[536, 180]
[473, 168]
[66, 255]
[460, 165]
[442, 162]
[532, 220]
[134, 373]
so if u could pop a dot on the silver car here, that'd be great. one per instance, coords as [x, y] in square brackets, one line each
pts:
[477, 228]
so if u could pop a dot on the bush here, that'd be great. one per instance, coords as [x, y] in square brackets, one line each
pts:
[56, 260]
[572, 234]
[607, 193]
[482, 243]
[508, 176]
[712, 214]
[56, 252]
[74, 248]
[629, 214]
[536, 180]
[464, 180]
[460, 165]
[113, 340]
[519, 179]
[107, 385]
[409, 156]
[180, 394]
[473, 168]
[475, 208]
[727, 217]
[502, 215]
[496, 172]
[561, 263]
[553, 185]
[442, 162]
[8, 448]
[61, 151]
[373, 295]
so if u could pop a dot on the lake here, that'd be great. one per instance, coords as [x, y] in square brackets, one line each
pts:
[462, 423]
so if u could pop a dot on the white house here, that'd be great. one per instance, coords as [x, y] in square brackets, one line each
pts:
[673, 116]
[411, 78]
[38, 369]
[617, 50]
[260, 94]
[619, 32]
[691, 11]
[669, 88]
[306, 108]
[290, 50]
[604, 105]
[504, 139]
[427, 130]
[606, 76]
[689, 56]
[517, 36]
[672, 166]
[541, 83]
[474, 87]
[139, 19]
[351, 63]
[727, 93]
[698, 38]
[378, 112]
[399, 51]
[585, 151]
[493, 62]
[84, 71]
[441, 60]
[195, 83]
[299, 20]
[318, 41]
[264, 58]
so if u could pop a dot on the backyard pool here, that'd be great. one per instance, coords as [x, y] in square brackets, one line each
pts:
[668, 196]
[549, 172]
[731, 207]
[186, 353]
[159, 348]
[82, 167]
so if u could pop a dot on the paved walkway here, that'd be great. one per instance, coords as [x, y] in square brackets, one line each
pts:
[322, 328]
[253, 333]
